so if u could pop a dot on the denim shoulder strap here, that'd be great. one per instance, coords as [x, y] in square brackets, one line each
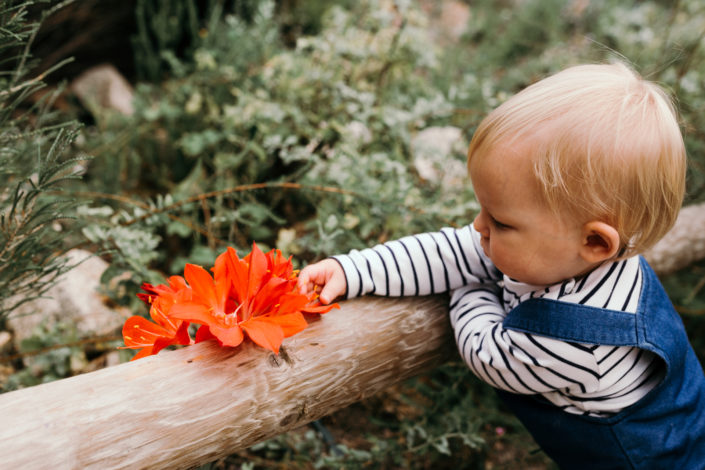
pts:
[573, 322]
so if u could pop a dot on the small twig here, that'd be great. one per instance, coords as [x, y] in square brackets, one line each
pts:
[241, 188]
[327, 437]
[675, 8]
[133, 202]
[392, 49]
[685, 65]
[207, 222]
[38, 79]
[98, 339]
[449, 435]
[690, 311]
[236, 189]
[698, 286]
[114, 197]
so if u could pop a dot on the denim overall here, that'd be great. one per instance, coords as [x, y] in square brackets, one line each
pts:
[663, 430]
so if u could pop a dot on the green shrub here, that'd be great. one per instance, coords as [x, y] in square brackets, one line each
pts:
[511, 44]
[334, 116]
[34, 143]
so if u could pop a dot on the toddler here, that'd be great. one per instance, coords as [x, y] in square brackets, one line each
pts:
[551, 305]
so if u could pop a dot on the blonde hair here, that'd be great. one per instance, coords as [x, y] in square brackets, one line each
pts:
[612, 150]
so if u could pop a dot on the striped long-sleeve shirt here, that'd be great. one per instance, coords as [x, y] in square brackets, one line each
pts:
[592, 379]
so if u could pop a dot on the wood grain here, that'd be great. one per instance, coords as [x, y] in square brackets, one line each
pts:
[191, 406]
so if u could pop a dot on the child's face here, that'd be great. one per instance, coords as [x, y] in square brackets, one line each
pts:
[524, 239]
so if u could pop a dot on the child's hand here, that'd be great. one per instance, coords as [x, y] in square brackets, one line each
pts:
[328, 275]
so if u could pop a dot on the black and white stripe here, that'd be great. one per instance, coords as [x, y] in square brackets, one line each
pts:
[596, 380]
[419, 265]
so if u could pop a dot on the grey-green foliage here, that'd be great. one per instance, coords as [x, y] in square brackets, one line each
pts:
[50, 353]
[33, 146]
[667, 43]
[339, 110]
[511, 44]
[167, 31]
[161, 27]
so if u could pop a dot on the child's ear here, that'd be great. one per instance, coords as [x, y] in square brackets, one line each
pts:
[600, 242]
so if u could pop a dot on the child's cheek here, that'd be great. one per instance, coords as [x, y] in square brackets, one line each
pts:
[485, 245]
[501, 249]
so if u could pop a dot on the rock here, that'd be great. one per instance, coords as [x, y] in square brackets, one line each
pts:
[683, 244]
[75, 300]
[439, 156]
[5, 341]
[77, 363]
[104, 87]
[448, 19]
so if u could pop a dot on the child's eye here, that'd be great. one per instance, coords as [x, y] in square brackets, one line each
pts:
[499, 225]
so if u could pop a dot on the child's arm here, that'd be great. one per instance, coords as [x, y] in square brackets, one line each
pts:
[514, 361]
[422, 264]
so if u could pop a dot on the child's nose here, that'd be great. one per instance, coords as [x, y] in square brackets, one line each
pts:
[480, 224]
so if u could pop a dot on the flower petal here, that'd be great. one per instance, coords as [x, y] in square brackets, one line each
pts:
[142, 353]
[230, 336]
[269, 295]
[264, 333]
[157, 312]
[289, 303]
[201, 284]
[204, 334]
[192, 312]
[317, 307]
[162, 343]
[280, 266]
[257, 271]
[177, 283]
[235, 269]
[182, 336]
[290, 324]
[138, 332]
[149, 294]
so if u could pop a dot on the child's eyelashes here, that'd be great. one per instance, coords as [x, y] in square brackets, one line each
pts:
[499, 225]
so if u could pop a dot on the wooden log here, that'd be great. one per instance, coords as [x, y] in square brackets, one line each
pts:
[194, 405]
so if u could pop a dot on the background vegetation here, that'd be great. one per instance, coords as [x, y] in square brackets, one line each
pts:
[293, 123]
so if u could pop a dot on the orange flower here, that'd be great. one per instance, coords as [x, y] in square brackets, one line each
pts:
[139, 333]
[255, 297]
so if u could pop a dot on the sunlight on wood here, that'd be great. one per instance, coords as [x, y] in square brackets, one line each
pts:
[192, 406]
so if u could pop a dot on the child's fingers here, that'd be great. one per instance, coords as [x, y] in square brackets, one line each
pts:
[306, 282]
[331, 291]
[326, 274]
[312, 276]
[335, 286]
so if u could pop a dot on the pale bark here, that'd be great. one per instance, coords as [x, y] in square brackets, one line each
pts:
[188, 407]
